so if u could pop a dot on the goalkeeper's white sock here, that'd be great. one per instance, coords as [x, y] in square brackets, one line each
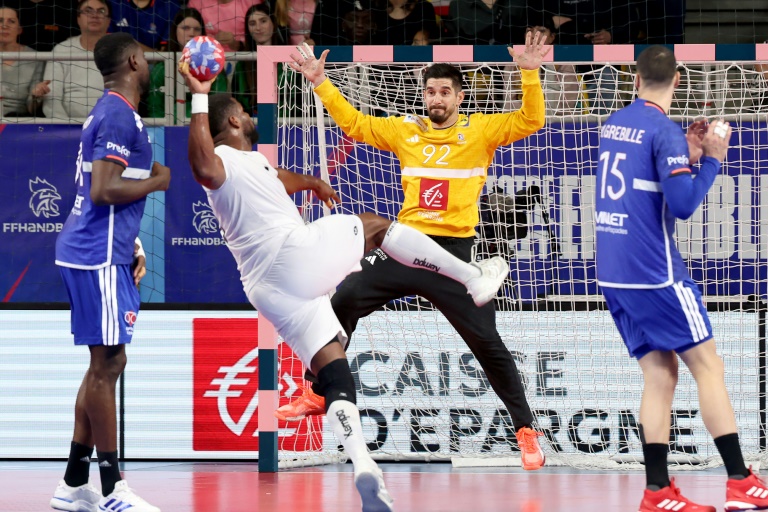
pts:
[414, 249]
[344, 419]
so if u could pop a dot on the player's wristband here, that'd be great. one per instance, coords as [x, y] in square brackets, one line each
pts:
[199, 103]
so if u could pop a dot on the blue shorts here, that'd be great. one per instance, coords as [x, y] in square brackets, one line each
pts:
[104, 303]
[669, 318]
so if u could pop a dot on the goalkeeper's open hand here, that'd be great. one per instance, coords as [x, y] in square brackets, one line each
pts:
[305, 63]
[534, 52]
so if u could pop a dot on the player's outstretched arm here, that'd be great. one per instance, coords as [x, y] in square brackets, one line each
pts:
[294, 182]
[376, 131]
[207, 167]
[109, 187]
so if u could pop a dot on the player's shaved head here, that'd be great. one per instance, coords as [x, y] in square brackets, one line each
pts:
[220, 108]
[442, 70]
[112, 50]
[657, 66]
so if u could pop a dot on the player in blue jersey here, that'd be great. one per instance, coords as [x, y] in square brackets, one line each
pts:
[94, 251]
[645, 183]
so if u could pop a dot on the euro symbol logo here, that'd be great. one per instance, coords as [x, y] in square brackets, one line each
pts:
[246, 365]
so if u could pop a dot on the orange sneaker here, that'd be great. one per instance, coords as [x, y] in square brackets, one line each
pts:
[530, 451]
[748, 494]
[308, 404]
[670, 498]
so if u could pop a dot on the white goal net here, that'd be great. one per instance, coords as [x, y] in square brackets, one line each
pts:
[421, 393]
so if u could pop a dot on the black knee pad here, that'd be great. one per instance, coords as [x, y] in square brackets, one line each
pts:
[335, 382]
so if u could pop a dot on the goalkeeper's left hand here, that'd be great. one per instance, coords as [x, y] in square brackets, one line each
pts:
[534, 52]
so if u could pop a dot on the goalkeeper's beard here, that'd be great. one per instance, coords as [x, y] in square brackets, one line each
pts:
[436, 117]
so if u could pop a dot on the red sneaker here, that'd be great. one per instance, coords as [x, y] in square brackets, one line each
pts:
[308, 404]
[750, 493]
[670, 498]
[530, 451]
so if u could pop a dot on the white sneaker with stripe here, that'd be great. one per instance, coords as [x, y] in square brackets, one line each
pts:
[123, 499]
[84, 498]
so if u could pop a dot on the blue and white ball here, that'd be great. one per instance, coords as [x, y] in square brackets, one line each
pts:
[205, 57]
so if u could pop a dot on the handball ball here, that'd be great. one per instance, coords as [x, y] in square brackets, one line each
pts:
[205, 57]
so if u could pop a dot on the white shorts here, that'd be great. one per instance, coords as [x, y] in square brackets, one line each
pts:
[312, 262]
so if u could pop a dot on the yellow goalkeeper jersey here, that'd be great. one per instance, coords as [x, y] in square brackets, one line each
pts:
[442, 170]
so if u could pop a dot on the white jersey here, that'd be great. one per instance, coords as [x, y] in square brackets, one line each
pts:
[254, 211]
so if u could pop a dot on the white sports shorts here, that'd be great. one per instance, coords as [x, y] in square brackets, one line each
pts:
[294, 294]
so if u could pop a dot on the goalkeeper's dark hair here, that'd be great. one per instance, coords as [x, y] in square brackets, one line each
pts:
[220, 108]
[442, 70]
[657, 66]
[112, 50]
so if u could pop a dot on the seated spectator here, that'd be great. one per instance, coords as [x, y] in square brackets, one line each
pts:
[77, 85]
[407, 19]
[560, 82]
[45, 23]
[477, 22]
[148, 21]
[297, 15]
[19, 76]
[345, 22]
[581, 22]
[187, 23]
[224, 20]
[261, 27]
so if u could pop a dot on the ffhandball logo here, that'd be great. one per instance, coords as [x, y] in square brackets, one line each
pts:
[130, 319]
[44, 198]
[226, 400]
[204, 220]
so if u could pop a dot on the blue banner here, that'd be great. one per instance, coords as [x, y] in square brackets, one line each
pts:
[38, 177]
[198, 266]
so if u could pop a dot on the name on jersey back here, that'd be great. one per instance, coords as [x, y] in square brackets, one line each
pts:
[622, 133]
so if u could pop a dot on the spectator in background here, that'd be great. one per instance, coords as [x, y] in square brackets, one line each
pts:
[345, 22]
[559, 82]
[45, 23]
[582, 22]
[297, 15]
[262, 30]
[187, 23]
[224, 20]
[148, 21]
[75, 86]
[19, 76]
[486, 21]
[408, 19]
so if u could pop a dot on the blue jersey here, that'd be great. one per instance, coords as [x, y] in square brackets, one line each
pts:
[149, 25]
[640, 148]
[97, 236]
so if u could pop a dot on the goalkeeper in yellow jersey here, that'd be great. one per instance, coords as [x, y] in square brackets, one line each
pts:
[444, 161]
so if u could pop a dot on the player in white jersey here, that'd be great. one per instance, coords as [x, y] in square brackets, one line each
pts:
[94, 252]
[288, 268]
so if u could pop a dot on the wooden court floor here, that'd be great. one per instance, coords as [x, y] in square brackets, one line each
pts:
[436, 487]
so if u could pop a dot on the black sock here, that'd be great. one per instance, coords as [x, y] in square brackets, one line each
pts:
[78, 465]
[109, 471]
[656, 473]
[730, 450]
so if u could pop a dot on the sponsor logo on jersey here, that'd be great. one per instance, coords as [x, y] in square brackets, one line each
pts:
[461, 139]
[44, 198]
[130, 319]
[119, 149]
[417, 121]
[677, 160]
[433, 194]
[122, 23]
[139, 123]
[413, 139]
